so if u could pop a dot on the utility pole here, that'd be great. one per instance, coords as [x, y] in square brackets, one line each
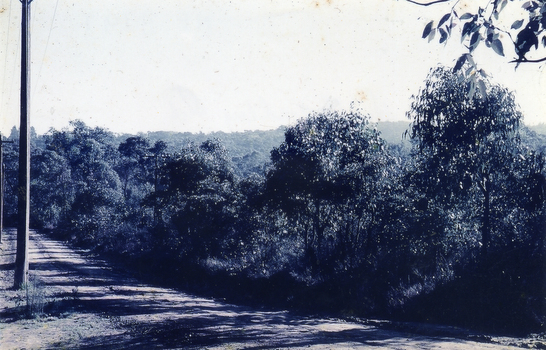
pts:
[2, 186]
[23, 187]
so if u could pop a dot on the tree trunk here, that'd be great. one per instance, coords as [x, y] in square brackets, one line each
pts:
[486, 224]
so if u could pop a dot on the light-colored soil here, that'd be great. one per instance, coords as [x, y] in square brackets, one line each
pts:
[88, 305]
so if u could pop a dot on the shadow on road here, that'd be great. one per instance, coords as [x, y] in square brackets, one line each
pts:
[221, 333]
[150, 317]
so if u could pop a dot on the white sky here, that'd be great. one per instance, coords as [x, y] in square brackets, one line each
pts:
[143, 65]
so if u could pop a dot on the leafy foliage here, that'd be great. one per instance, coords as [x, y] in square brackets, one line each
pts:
[324, 215]
[323, 176]
[489, 23]
[471, 164]
[465, 144]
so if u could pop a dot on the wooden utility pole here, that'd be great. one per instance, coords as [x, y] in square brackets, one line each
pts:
[23, 187]
[2, 186]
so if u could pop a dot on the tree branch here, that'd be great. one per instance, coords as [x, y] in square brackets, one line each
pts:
[519, 60]
[427, 3]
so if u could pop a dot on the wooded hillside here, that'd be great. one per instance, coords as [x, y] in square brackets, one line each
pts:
[331, 214]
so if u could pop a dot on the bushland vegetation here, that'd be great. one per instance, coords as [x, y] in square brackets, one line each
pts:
[331, 218]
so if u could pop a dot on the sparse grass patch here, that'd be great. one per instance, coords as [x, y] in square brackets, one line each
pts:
[29, 301]
[34, 297]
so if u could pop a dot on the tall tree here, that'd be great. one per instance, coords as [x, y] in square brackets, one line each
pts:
[325, 177]
[464, 142]
[95, 191]
[53, 192]
[195, 198]
[131, 168]
[2, 189]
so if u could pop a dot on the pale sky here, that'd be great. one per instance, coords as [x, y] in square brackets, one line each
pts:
[173, 65]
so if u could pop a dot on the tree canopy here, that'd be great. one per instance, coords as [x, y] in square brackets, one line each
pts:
[336, 218]
[465, 143]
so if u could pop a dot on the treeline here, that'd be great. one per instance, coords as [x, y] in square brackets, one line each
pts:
[334, 220]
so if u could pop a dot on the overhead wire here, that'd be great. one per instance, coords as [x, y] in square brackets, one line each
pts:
[45, 49]
[2, 108]
[14, 75]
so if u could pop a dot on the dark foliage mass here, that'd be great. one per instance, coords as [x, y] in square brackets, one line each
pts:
[330, 217]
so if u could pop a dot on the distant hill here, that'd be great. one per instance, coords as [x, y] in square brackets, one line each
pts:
[263, 141]
[392, 132]
[251, 149]
[238, 144]
[539, 128]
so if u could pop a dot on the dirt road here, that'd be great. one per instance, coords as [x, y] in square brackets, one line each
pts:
[88, 305]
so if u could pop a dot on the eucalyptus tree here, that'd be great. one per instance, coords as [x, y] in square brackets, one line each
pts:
[136, 169]
[10, 159]
[96, 191]
[195, 196]
[51, 187]
[465, 144]
[325, 177]
[535, 188]
[134, 151]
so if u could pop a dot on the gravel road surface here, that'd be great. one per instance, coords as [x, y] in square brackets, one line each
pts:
[80, 302]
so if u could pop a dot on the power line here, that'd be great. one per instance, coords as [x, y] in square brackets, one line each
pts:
[45, 49]
[13, 76]
[16, 58]
[6, 60]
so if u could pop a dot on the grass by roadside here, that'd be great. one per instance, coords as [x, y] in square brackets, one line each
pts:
[41, 316]
[79, 302]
